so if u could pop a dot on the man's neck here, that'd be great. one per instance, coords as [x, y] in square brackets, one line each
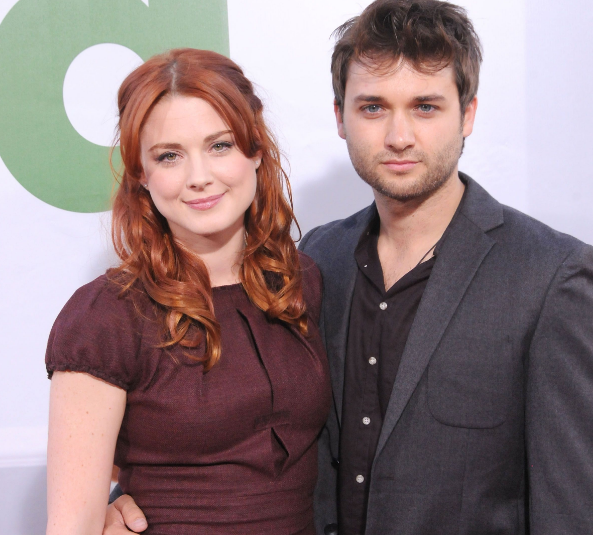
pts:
[410, 228]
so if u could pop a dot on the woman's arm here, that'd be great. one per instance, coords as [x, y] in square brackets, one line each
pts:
[85, 416]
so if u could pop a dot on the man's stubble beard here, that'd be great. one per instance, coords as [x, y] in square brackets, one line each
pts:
[439, 169]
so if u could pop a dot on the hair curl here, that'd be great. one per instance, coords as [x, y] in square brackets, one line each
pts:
[174, 277]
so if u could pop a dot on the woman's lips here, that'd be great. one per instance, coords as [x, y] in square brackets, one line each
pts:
[206, 203]
[401, 166]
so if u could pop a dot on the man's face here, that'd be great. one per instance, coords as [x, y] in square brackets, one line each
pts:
[404, 129]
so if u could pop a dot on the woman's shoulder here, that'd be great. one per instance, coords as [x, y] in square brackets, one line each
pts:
[99, 330]
[108, 297]
[312, 285]
[310, 271]
[103, 288]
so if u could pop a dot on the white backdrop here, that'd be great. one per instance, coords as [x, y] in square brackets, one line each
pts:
[529, 149]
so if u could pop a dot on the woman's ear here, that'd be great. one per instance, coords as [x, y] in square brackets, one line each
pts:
[257, 160]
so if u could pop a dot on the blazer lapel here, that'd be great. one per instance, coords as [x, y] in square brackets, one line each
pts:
[464, 248]
[340, 269]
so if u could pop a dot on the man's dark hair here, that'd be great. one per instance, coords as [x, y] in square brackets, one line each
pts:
[427, 34]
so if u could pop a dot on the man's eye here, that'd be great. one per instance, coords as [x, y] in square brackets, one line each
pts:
[426, 108]
[372, 108]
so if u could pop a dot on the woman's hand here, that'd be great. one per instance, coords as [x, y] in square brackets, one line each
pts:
[85, 416]
[121, 513]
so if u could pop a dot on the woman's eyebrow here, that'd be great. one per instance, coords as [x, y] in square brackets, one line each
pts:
[165, 145]
[216, 135]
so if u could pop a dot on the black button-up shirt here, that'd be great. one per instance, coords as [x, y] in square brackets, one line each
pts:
[380, 322]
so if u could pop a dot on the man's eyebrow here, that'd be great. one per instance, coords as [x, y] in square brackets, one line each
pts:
[430, 98]
[421, 98]
[368, 98]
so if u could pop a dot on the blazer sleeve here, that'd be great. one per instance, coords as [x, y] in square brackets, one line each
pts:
[326, 490]
[325, 498]
[559, 403]
[306, 238]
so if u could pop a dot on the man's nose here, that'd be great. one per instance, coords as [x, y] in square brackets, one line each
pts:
[400, 133]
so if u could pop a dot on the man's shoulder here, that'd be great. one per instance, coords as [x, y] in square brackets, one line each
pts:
[337, 236]
[534, 237]
[515, 232]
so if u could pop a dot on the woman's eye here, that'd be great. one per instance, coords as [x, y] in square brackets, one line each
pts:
[221, 146]
[168, 157]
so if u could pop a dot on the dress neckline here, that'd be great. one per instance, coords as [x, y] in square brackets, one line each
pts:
[227, 287]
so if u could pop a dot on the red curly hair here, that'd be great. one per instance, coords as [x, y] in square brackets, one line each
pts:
[174, 277]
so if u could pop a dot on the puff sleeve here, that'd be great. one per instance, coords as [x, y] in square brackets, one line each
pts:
[98, 332]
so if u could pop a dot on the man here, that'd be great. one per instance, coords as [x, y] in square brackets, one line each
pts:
[458, 330]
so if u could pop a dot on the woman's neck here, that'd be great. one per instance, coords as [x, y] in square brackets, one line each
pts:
[222, 255]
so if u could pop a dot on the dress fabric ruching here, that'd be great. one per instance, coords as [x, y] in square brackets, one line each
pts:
[230, 451]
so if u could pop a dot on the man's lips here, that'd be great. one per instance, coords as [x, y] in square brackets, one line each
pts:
[206, 203]
[400, 165]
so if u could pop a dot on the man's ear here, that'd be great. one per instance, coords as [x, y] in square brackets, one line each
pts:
[339, 120]
[469, 117]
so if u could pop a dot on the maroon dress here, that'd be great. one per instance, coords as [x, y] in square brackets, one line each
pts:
[229, 451]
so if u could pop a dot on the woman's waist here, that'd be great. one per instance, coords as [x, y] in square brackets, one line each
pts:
[184, 486]
[225, 506]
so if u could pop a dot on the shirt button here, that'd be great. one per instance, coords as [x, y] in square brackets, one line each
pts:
[366, 420]
[383, 305]
[372, 361]
[359, 479]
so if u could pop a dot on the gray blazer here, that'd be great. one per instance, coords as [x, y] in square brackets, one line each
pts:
[489, 429]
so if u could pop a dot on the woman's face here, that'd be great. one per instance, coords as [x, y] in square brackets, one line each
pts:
[197, 177]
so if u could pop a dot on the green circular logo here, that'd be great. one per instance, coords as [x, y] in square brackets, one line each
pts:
[39, 41]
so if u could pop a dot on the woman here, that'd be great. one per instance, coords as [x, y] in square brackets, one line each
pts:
[197, 363]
